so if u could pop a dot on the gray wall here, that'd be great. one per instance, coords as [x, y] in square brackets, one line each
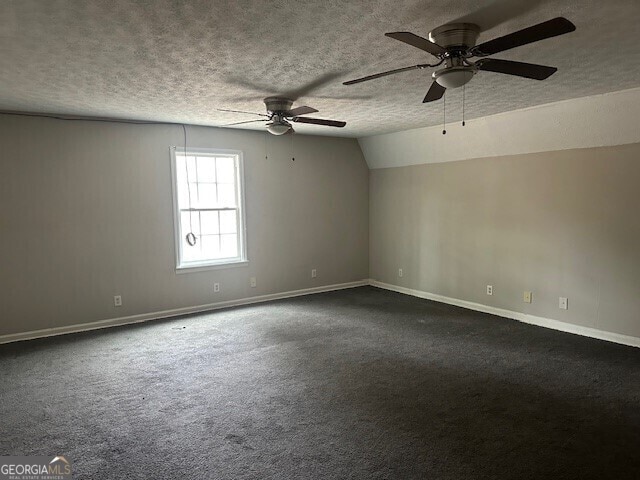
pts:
[86, 214]
[562, 223]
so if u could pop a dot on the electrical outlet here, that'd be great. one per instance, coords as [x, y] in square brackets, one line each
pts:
[216, 287]
[489, 289]
[400, 272]
[253, 282]
[314, 273]
[563, 303]
[117, 300]
[527, 297]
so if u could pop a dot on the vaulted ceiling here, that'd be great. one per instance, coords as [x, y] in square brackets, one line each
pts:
[180, 61]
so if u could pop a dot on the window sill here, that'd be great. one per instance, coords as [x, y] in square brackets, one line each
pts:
[214, 266]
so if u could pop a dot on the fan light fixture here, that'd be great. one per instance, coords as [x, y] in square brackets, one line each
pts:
[453, 77]
[278, 128]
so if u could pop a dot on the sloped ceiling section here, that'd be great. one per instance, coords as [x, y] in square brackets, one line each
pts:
[179, 61]
[595, 121]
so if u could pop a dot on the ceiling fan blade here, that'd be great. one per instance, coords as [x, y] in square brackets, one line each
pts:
[240, 123]
[242, 111]
[436, 91]
[548, 29]
[300, 111]
[384, 74]
[319, 121]
[418, 42]
[520, 69]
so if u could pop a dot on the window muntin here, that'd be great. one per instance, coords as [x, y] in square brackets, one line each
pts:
[208, 202]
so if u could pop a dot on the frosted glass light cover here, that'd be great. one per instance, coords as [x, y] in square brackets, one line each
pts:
[278, 128]
[454, 78]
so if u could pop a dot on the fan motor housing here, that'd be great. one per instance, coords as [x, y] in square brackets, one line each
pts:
[456, 36]
[278, 104]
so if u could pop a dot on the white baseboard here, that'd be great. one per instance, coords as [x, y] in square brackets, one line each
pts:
[144, 317]
[521, 317]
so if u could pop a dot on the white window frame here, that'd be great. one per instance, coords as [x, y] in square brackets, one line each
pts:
[241, 259]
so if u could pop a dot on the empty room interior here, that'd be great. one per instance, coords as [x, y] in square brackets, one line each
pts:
[305, 239]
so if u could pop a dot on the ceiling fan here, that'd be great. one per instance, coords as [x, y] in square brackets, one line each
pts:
[454, 44]
[280, 115]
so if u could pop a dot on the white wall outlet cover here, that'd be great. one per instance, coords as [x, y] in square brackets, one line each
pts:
[400, 272]
[253, 282]
[216, 287]
[563, 303]
[117, 300]
[527, 297]
[314, 273]
[489, 289]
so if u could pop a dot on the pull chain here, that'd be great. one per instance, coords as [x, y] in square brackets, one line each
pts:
[444, 113]
[266, 145]
[463, 99]
[293, 158]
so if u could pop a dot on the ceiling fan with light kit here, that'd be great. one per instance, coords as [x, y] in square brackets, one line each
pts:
[280, 116]
[454, 45]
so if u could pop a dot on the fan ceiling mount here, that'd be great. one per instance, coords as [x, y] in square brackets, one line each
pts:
[280, 115]
[454, 45]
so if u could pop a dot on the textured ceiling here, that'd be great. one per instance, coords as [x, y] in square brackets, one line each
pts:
[179, 60]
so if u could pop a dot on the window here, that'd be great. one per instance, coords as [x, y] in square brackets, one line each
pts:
[208, 207]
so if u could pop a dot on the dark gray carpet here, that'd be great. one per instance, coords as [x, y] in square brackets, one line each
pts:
[361, 383]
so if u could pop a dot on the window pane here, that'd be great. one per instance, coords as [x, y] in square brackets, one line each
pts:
[206, 169]
[191, 253]
[189, 225]
[181, 174]
[209, 223]
[226, 195]
[210, 247]
[181, 178]
[191, 173]
[207, 196]
[183, 196]
[228, 246]
[184, 193]
[228, 221]
[226, 170]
